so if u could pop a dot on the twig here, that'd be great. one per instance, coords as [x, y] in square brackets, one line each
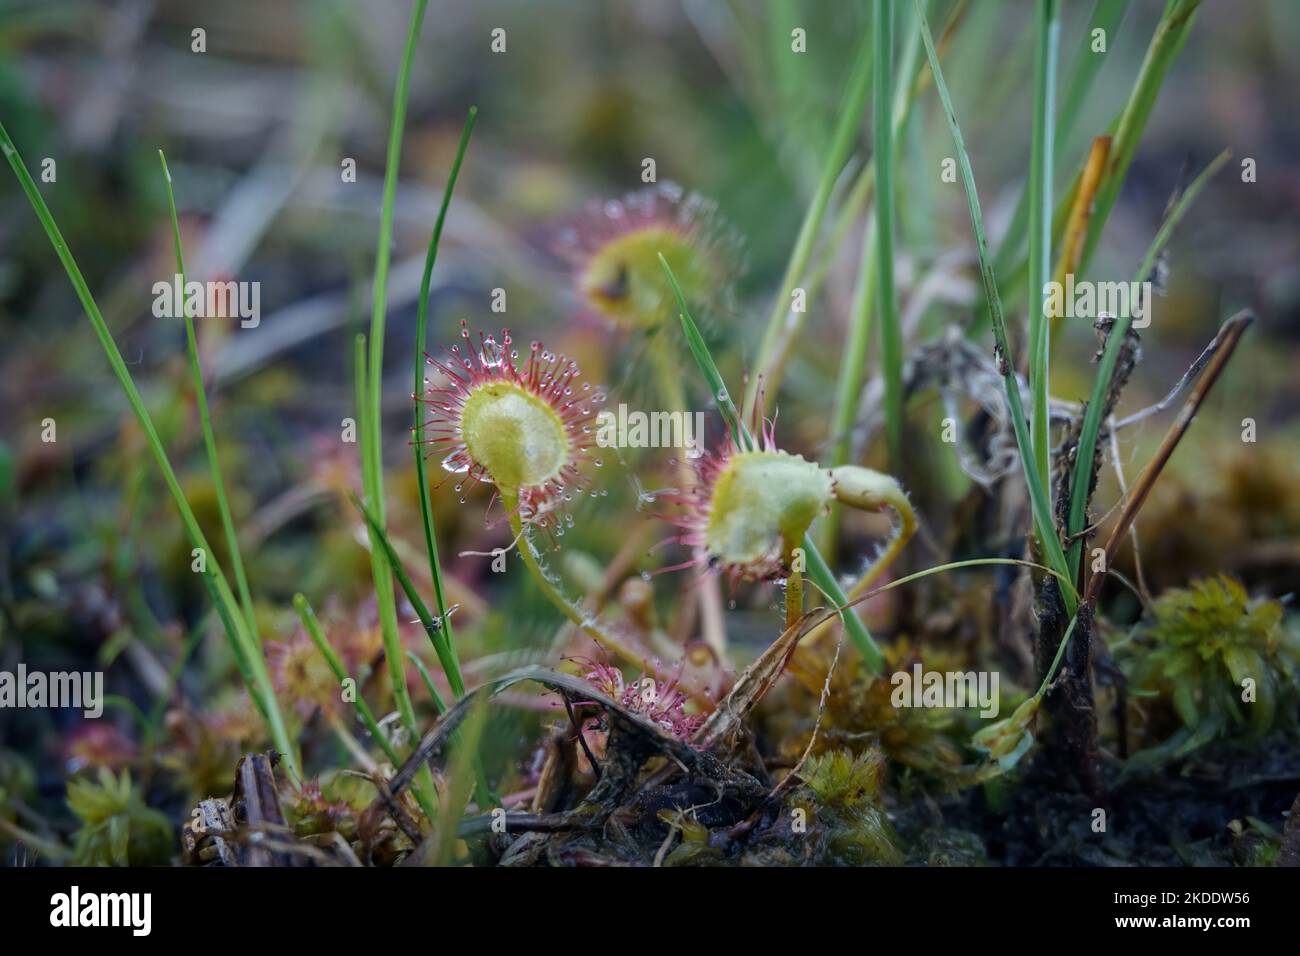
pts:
[1228, 336]
[1193, 370]
[821, 712]
[521, 823]
[582, 738]
[1141, 588]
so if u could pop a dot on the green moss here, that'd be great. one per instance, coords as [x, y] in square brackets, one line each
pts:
[918, 741]
[17, 783]
[117, 829]
[1223, 664]
[847, 789]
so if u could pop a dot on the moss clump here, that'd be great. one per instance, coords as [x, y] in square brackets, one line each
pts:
[17, 783]
[846, 790]
[117, 829]
[859, 713]
[315, 809]
[1224, 665]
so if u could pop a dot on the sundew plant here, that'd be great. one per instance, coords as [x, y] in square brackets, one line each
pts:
[651, 434]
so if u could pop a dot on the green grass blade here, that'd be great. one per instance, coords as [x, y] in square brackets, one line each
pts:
[1171, 33]
[1081, 477]
[822, 575]
[248, 657]
[1106, 16]
[312, 626]
[1126, 130]
[853, 363]
[460, 780]
[790, 89]
[427, 679]
[383, 580]
[385, 598]
[1043, 523]
[891, 337]
[370, 411]
[704, 359]
[818, 569]
[768, 366]
[360, 707]
[205, 421]
[1041, 166]
[906, 90]
[486, 795]
[439, 636]
[383, 252]
[421, 331]
[434, 627]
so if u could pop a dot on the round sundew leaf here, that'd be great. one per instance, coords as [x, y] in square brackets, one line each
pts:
[762, 504]
[514, 435]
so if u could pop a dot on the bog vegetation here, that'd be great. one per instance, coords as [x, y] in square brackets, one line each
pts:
[573, 647]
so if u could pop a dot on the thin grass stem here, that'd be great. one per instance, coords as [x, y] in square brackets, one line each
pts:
[370, 410]
[1106, 17]
[311, 624]
[382, 571]
[1171, 33]
[421, 330]
[1042, 512]
[891, 336]
[1047, 30]
[205, 421]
